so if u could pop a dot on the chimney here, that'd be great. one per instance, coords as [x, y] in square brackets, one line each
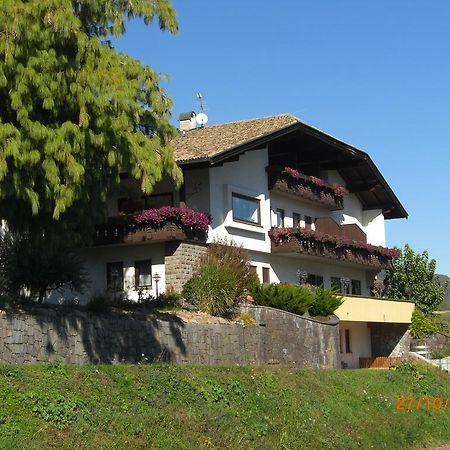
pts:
[187, 121]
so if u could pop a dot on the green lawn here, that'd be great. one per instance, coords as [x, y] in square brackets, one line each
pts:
[199, 407]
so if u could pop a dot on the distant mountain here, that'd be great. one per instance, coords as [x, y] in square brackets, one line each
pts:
[445, 305]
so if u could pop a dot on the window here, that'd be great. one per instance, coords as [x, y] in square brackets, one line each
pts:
[129, 205]
[296, 219]
[347, 341]
[143, 273]
[266, 274]
[308, 222]
[341, 284]
[252, 269]
[356, 287]
[158, 200]
[280, 217]
[245, 209]
[114, 276]
[336, 283]
[315, 280]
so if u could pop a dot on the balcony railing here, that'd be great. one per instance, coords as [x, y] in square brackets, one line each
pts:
[315, 243]
[156, 225]
[315, 190]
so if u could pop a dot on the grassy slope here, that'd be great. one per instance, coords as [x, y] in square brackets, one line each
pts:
[195, 407]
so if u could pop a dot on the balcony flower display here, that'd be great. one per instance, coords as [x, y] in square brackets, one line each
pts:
[288, 180]
[164, 223]
[336, 187]
[322, 244]
[183, 217]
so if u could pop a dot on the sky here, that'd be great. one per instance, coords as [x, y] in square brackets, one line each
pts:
[375, 74]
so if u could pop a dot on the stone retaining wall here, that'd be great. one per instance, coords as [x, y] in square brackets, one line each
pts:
[180, 262]
[76, 337]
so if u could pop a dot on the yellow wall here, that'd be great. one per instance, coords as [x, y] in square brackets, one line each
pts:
[368, 309]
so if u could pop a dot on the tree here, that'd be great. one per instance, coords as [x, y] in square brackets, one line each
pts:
[413, 277]
[74, 112]
[39, 265]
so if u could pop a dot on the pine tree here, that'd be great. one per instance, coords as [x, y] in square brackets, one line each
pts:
[75, 112]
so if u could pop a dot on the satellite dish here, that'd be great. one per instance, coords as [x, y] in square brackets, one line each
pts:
[201, 119]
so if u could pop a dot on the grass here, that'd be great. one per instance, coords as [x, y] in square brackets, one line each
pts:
[201, 407]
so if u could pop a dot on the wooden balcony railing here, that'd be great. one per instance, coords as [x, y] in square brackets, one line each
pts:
[314, 243]
[111, 233]
[304, 187]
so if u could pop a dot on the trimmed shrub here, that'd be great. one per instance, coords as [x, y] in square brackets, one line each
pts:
[326, 301]
[213, 289]
[298, 299]
[288, 297]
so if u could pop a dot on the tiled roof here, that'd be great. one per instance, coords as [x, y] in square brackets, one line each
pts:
[214, 139]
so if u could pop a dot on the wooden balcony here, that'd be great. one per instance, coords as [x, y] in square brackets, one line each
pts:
[114, 233]
[338, 247]
[303, 187]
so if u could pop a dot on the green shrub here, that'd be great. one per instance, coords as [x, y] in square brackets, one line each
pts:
[228, 253]
[422, 325]
[326, 301]
[99, 303]
[213, 289]
[288, 297]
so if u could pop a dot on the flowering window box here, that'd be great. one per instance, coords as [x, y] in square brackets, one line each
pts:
[290, 181]
[158, 225]
[314, 243]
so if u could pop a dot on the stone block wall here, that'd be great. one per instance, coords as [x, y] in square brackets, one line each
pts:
[181, 261]
[76, 337]
[389, 339]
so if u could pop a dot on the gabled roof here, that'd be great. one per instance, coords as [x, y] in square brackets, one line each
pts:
[203, 143]
[216, 144]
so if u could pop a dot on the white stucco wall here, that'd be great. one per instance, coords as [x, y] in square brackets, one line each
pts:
[284, 269]
[246, 176]
[294, 205]
[197, 189]
[370, 221]
[360, 344]
[96, 259]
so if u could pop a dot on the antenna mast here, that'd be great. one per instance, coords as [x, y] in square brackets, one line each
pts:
[201, 117]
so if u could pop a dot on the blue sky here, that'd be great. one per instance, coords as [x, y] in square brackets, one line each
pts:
[374, 74]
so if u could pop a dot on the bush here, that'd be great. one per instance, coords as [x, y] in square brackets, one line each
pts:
[298, 299]
[99, 303]
[288, 297]
[213, 289]
[38, 265]
[422, 325]
[225, 253]
[326, 301]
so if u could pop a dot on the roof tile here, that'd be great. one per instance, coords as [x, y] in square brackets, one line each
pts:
[206, 142]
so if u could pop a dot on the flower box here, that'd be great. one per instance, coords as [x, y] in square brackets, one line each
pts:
[157, 225]
[310, 242]
[290, 181]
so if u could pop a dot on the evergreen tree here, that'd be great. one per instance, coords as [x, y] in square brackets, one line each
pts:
[413, 277]
[75, 112]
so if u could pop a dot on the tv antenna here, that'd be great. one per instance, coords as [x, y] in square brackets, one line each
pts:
[201, 117]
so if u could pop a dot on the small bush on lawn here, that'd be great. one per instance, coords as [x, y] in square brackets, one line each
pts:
[288, 297]
[326, 301]
[422, 325]
[213, 289]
